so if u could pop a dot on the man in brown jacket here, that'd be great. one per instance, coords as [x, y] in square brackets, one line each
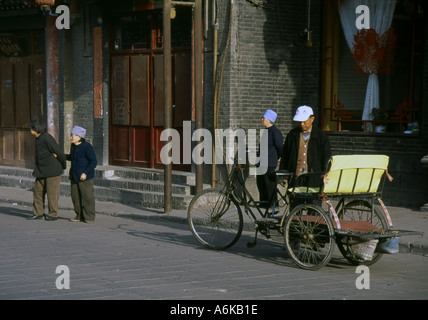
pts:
[306, 149]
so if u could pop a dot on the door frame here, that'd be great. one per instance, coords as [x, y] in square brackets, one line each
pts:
[155, 128]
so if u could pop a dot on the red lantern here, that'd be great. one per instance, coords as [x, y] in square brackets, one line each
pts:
[45, 2]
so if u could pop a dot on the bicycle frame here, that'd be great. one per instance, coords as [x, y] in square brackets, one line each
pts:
[247, 200]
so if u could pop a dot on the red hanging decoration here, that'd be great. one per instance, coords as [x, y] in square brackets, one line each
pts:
[374, 53]
[50, 3]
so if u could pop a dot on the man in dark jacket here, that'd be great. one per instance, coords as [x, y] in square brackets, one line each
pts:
[306, 148]
[49, 165]
[82, 172]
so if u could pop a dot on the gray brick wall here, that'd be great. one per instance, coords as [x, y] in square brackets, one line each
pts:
[268, 65]
[78, 81]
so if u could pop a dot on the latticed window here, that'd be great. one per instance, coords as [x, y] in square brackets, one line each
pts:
[144, 30]
[21, 44]
[372, 76]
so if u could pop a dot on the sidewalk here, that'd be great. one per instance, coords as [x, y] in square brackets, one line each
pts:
[402, 218]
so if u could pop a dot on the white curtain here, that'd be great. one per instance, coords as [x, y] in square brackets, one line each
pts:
[381, 14]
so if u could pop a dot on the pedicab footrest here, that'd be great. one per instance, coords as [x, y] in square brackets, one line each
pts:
[346, 226]
[363, 234]
[369, 231]
[361, 229]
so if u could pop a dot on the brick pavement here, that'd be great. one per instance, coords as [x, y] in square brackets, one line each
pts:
[402, 218]
[136, 256]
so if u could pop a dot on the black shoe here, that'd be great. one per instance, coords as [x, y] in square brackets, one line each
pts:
[36, 217]
[48, 218]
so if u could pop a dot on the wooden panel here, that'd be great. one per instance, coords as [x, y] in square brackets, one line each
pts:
[8, 145]
[26, 148]
[98, 73]
[141, 148]
[119, 92]
[158, 147]
[182, 89]
[23, 95]
[180, 166]
[121, 145]
[38, 89]
[140, 100]
[158, 107]
[7, 95]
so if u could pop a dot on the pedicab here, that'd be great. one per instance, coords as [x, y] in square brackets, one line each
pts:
[356, 219]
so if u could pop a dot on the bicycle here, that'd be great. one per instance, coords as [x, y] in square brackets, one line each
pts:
[215, 216]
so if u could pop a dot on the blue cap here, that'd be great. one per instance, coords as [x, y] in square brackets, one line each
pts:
[79, 131]
[270, 115]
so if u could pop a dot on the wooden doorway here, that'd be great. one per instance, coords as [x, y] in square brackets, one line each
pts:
[22, 95]
[136, 90]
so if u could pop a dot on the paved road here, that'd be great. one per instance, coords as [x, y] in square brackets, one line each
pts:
[120, 258]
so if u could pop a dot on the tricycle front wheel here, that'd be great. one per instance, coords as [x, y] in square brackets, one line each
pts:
[215, 219]
[309, 237]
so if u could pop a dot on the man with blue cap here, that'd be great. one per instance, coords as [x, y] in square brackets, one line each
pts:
[266, 183]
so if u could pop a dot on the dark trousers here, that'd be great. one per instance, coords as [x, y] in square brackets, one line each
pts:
[46, 187]
[266, 184]
[83, 198]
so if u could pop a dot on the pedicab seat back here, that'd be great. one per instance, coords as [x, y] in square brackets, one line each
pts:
[355, 174]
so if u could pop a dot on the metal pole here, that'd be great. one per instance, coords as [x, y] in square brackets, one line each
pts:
[215, 58]
[198, 82]
[167, 78]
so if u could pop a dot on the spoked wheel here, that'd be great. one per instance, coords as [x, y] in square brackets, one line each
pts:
[215, 219]
[309, 237]
[359, 210]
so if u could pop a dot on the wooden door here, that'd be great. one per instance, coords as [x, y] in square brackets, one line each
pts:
[137, 105]
[22, 97]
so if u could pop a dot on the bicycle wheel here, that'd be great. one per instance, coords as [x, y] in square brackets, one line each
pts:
[215, 219]
[309, 237]
[359, 210]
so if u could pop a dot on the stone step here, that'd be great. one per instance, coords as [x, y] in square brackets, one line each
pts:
[124, 185]
[112, 172]
[129, 173]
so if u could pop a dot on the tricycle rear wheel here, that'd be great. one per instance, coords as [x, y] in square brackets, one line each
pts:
[360, 210]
